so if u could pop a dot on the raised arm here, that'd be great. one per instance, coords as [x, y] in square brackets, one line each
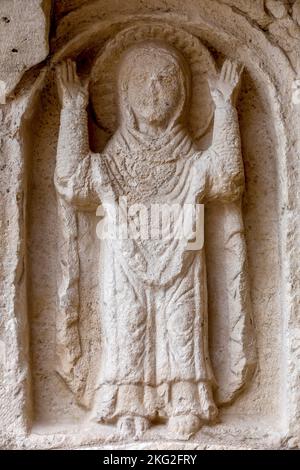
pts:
[222, 163]
[76, 167]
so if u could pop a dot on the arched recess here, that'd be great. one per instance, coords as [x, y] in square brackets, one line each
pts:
[265, 113]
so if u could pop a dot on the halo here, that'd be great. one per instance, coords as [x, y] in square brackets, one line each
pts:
[103, 83]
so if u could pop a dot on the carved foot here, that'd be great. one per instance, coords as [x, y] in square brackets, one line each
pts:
[132, 426]
[184, 426]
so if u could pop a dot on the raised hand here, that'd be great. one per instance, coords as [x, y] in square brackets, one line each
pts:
[70, 89]
[225, 88]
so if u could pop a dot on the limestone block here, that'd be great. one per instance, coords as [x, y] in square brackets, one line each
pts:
[145, 341]
[24, 31]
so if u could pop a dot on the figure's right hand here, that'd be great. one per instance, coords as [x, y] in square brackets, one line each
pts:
[72, 93]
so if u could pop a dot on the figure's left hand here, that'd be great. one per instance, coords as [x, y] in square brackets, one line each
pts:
[225, 88]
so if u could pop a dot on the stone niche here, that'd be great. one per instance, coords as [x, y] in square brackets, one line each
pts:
[194, 371]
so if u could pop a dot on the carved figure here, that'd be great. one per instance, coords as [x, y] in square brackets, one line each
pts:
[155, 361]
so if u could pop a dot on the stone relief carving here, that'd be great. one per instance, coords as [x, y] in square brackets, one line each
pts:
[36, 409]
[149, 89]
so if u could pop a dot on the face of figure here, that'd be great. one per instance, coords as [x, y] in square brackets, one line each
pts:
[154, 89]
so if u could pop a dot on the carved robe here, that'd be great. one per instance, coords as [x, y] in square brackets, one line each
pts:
[153, 309]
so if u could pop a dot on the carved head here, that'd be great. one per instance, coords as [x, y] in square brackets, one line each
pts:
[154, 84]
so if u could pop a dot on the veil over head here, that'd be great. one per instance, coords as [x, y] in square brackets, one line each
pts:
[193, 59]
[135, 56]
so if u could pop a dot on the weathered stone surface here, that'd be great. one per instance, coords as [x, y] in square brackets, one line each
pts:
[276, 8]
[95, 317]
[24, 31]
